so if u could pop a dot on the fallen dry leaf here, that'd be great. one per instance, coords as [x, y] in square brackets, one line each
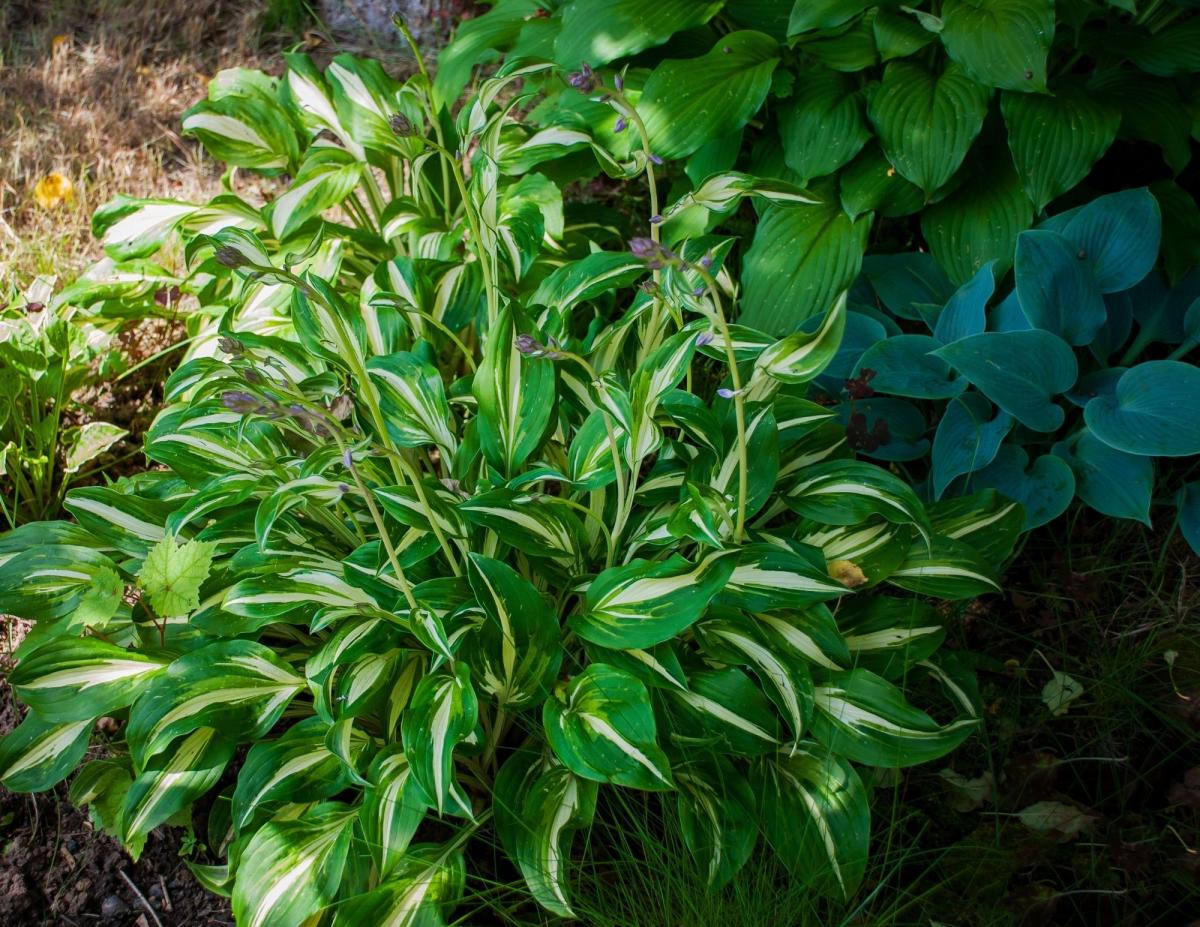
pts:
[1066, 822]
[847, 573]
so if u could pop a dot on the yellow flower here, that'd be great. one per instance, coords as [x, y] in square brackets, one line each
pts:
[53, 190]
[847, 573]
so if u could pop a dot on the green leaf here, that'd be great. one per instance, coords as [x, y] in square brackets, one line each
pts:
[601, 726]
[968, 438]
[600, 31]
[865, 718]
[325, 179]
[442, 714]
[39, 754]
[905, 365]
[1152, 412]
[802, 258]
[238, 687]
[1151, 111]
[170, 783]
[392, 809]
[74, 679]
[515, 395]
[945, 569]
[716, 815]
[92, 440]
[173, 573]
[133, 228]
[823, 126]
[644, 603]
[770, 577]
[925, 123]
[847, 492]
[414, 403]
[426, 884]
[516, 652]
[1019, 371]
[802, 356]
[591, 276]
[686, 103]
[292, 869]
[245, 131]
[814, 811]
[1000, 43]
[1056, 138]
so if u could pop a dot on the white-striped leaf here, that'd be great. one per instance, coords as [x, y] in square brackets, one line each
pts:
[847, 492]
[129, 227]
[811, 633]
[717, 816]
[171, 782]
[721, 192]
[537, 525]
[420, 890]
[81, 678]
[516, 652]
[393, 807]
[946, 569]
[643, 603]
[601, 726]
[442, 714]
[988, 521]
[769, 577]
[292, 869]
[239, 687]
[414, 402]
[888, 635]
[366, 99]
[557, 804]
[40, 754]
[725, 710]
[802, 356]
[49, 581]
[814, 811]
[863, 717]
[245, 131]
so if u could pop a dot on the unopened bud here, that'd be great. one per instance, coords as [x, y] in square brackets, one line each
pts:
[230, 256]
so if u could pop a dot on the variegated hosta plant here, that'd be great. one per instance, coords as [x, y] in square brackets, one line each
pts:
[469, 517]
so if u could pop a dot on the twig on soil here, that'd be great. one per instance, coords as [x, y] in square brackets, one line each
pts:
[140, 897]
[162, 883]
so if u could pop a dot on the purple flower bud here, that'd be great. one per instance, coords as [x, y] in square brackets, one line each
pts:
[347, 460]
[529, 346]
[704, 338]
[655, 158]
[230, 256]
[619, 82]
[726, 393]
[706, 261]
[230, 346]
[656, 219]
[699, 291]
[402, 126]
[619, 125]
[643, 247]
[252, 376]
[241, 402]
[343, 488]
[583, 80]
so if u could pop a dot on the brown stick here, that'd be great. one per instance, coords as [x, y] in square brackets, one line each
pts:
[140, 897]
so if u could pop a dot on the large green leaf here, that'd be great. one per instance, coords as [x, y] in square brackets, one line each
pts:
[823, 126]
[426, 884]
[865, 718]
[686, 103]
[802, 258]
[1056, 138]
[1000, 43]
[644, 603]
[292, 868]
[602, 727]
[600, 31]
[813, 809]
[926, 122]
[39, 754]
[717, 816]
[442, 714]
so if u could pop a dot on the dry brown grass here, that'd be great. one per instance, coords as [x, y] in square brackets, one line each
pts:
[101, 105]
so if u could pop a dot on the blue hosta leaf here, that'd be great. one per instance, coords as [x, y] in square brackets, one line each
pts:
[1188, 501]
[906, 365]
[1044, 490]
[1019, 371]
[1110, 481]
[1119, 236]
[968, 438]
[965, 313]
[906, 424]
[903, 280]
[1152, 413]
[1057, 290]
[1007, 316]
[602, 727]
[1101, 382]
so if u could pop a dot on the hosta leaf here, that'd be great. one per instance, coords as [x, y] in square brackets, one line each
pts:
[1058, 292]
[131, 524]
[725, 709]
[427, 881]
[802, 258]
[945, 568]
[292, 869]
[716, 815]
[846, 492]
[297, 766]
[92, 440]
[1151, 412]
[171, 782]
[864, 718]
[39, 754]
[888, 635]
[591, 276]
[769, 577]
[1001, 43]
[1112, 482]
[172, 574]
[823, 127]
[238, 687]
[987, 520]
[1044, 489]
[515, 395]
[414, 401]
[556, 804]
[800, 357]
[134, 228]
[327, 176]
[1019, 371]
[643, 603]
[1188, 501]
[1118, 236]
[392, 809]
[965, 312]
[49, 581]
[925, 123]
[1056, 138]
[968, 438]
[813, 809]
[541, 526]
[601, 726]
[76, 678]
[905, 365]
[686, 103]
[600, 32]
[516, 652]
[442, 714]
[366, 98]
[245, 131]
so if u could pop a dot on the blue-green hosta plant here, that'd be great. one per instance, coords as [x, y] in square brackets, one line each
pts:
[469, 509]
[1073, 378]
[956, 122]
